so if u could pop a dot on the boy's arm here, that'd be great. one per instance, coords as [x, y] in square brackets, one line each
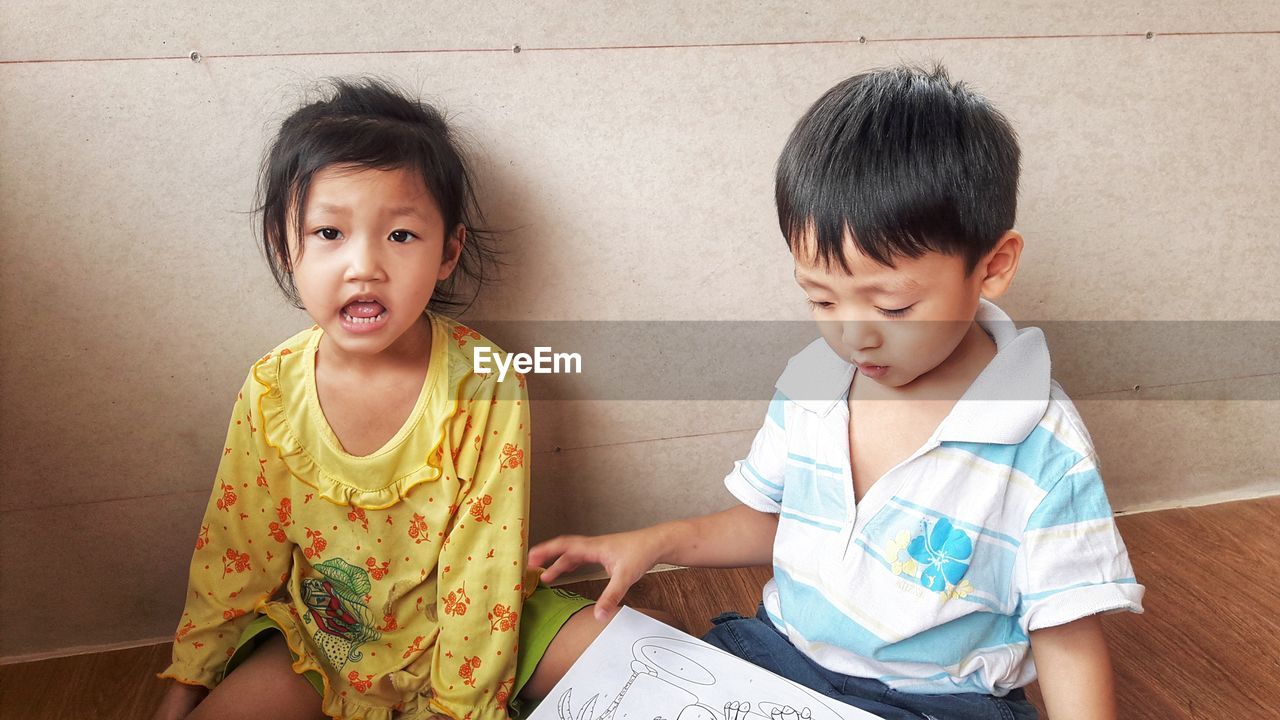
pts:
[737, 537]
[1075, 670]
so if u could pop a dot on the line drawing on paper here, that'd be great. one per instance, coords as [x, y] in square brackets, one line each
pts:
[641, 669]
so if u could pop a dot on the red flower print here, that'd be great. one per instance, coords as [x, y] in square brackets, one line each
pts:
[358, 515]
[512, 457]
[457, 601]
[228, 497]
[479, 507]
[462, 332]
[504, 691]
[232, 614]
[520, 379]
[186, 628]
[203, 538]
[357, 683]
[418, 529]
[469, 666]
[502, 618]
[377, 572]
[262, 473]
[414, 648]
[234, 562]
[285, 512]
[389, 623]
[276, 531]
[318, 544]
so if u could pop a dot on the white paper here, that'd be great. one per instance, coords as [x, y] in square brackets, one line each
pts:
[641, 669]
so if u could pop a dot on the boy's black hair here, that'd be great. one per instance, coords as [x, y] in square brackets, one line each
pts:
[367, 123]
[905, 161]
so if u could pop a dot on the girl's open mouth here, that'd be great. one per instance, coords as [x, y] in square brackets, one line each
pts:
[363, 315]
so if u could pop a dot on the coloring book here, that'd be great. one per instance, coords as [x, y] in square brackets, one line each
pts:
[641, 669]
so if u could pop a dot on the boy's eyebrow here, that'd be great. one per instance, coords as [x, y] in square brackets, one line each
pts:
[904, 286]
[806, 280]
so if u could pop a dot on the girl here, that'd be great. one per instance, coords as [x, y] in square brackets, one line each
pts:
[363, 552]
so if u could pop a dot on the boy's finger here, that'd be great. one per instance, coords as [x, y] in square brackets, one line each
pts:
[542, 552]
[611, 598]
[562, 565]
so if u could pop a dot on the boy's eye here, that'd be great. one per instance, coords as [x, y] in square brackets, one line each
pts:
[401, 236]
[329, 233]
[899, 312]
[820, 304]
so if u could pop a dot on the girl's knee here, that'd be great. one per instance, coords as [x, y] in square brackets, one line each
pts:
[264, 685]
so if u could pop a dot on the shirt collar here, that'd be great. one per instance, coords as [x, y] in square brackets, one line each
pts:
[1002, 405]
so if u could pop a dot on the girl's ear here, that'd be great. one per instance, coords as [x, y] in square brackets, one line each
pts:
[1000, 265]
[453, 243]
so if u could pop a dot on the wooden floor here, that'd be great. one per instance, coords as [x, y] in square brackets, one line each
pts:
[1207, 647]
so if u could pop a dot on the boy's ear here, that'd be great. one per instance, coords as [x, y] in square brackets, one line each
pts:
[1000, 265]
[453, 243]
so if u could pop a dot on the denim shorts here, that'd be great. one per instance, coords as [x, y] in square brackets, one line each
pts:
[759, 642]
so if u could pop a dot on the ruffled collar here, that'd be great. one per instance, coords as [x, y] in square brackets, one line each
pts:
[295, 426]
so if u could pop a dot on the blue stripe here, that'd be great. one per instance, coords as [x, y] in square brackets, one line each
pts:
[778, 410]
[977, 529]
[1078, 497]
[815, 463]
[751, 468]
[809, 612]
[1048, 593]
[809, 521]
[813, 494]
[1042, 456]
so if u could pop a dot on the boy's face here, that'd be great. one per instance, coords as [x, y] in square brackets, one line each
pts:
[897, 324]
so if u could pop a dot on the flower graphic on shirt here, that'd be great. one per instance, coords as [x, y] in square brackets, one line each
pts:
[512, 457]
[943, 552]
[467, 671]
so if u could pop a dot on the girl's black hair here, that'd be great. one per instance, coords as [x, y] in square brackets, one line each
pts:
[367, 123]
[905, 161]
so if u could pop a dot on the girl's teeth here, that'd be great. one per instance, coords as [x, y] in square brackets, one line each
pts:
[364, 320]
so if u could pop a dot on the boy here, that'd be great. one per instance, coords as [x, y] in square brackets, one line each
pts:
[928, 497]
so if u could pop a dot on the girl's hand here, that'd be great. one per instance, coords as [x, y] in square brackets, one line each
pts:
[625, 556]
[179, 701]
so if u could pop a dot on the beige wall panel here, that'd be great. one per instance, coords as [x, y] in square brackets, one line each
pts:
[621, 487]
[1208, 450]
[38, 30]
[96, 573]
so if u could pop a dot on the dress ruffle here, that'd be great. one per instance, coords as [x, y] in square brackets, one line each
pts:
[295, 427]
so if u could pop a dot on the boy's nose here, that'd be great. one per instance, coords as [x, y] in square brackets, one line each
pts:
[860, 334]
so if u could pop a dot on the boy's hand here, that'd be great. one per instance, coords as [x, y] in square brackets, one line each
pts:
[737, 537]
[625, 556]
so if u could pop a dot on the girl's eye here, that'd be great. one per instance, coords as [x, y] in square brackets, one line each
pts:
[820, 304]
[329, 233]
[895, 313]
[402, 236]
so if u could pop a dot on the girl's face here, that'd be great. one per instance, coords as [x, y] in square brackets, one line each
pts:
[374, 246]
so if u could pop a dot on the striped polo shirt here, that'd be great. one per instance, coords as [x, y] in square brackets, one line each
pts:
[997, 526]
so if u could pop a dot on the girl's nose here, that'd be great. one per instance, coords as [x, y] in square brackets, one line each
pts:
[364, 262]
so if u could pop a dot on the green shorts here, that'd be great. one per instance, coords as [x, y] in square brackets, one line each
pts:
[544, 613]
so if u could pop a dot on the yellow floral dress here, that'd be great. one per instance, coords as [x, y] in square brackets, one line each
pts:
[397, 576]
